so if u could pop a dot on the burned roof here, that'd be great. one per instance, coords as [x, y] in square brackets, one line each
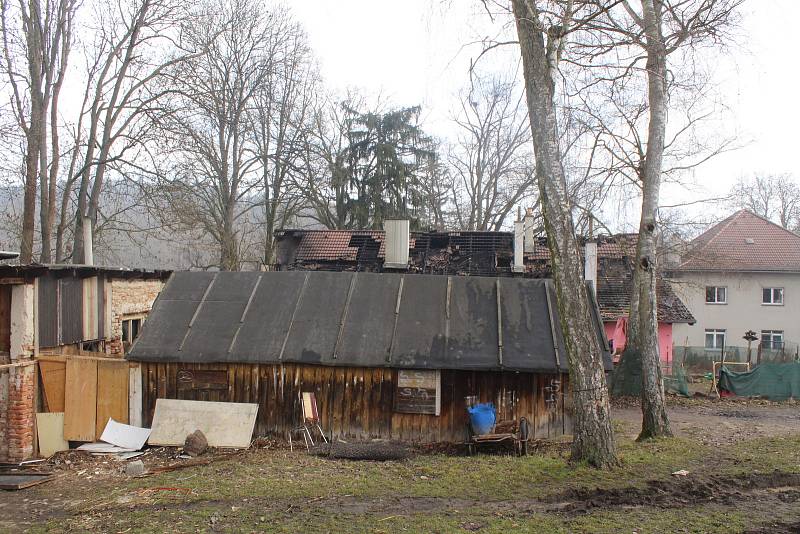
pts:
[474, 253]
[744, 242]
[356, 319]
[613, 246]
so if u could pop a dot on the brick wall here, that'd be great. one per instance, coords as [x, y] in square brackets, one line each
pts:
[3, 415]
[17, 413]
[129, 298]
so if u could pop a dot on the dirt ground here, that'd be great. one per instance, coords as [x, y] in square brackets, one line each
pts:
[718, 422]
[742, 458]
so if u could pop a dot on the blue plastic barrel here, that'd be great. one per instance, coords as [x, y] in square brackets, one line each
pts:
[482, 417]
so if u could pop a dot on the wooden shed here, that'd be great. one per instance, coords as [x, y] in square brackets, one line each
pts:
[395, 356]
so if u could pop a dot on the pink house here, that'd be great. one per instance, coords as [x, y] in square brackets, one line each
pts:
[616, 334]
[614, 268]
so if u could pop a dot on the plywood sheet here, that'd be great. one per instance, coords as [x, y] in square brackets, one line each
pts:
[112, 393]
[80, 400]
[50, 430]
[53, 379]
[225, 424]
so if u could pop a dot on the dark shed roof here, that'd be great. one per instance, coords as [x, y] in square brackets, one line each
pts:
[356, 319]
[35, 270]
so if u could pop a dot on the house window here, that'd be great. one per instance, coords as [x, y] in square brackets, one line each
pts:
[715, 339]
[130, 329]
[716, 295]
[772, 296]
[772, 339]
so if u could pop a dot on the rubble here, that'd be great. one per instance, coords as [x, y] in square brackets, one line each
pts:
[196, 443]
[134, 468]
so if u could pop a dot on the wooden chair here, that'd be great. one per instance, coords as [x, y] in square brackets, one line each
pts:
[310, 421]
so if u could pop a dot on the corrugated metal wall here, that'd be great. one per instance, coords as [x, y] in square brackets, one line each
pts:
[47, 310]
[71, 310]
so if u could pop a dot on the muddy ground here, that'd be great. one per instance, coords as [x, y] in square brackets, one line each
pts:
[742, 458]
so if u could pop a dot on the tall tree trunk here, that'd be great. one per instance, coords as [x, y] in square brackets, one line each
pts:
[593, 438]
[33, 40]
[44, 184]
[29, 199]
[654, 414]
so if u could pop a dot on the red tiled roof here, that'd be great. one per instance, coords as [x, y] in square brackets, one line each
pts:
[334, 245]
[744, 242]
[614, 300]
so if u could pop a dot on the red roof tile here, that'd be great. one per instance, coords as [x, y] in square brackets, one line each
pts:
[334, 245]
[744, 242]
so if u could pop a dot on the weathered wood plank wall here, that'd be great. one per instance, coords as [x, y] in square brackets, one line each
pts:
[356, 402]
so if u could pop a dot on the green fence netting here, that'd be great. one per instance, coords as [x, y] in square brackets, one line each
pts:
[677, 382]
[774, 381]
[626, 379]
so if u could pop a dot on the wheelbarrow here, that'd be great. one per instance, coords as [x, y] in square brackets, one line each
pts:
[517, 432]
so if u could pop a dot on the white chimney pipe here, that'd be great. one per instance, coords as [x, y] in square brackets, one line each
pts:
[88, 252]
[528, 246]
[397, 243]
[590, 263]
[519, 246]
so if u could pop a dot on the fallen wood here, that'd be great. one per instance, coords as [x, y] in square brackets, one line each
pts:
[21, 480]
[189, 463]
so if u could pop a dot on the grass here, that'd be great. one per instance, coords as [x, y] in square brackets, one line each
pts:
[278, 491]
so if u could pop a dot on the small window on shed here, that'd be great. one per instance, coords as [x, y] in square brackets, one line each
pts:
[418, 391]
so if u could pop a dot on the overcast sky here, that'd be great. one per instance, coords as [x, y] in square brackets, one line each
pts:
[417, 52]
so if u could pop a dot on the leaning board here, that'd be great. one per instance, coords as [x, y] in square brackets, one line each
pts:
[225, 424]
[80, 400]
[50, 431]
[112, 393]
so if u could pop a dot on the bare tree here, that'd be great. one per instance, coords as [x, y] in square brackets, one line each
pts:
[217, 179]
[135, 42]
[542, 32]
[774, 197]
[281, 116]
[491, 158]
[38, 37]
[626, 53]
[326, 156]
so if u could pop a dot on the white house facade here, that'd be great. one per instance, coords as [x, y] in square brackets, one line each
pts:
[741, 279]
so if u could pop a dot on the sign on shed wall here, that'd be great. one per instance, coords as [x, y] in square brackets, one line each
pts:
[418, 392]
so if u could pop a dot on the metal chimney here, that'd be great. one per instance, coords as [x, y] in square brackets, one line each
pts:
[590, 263]
[88, 252]
[528, 230]
[519, 246]
[396, 243]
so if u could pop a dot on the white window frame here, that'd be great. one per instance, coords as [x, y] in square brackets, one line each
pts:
[772, 292]
[772, 334]
[716, 333]
[716, 300]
